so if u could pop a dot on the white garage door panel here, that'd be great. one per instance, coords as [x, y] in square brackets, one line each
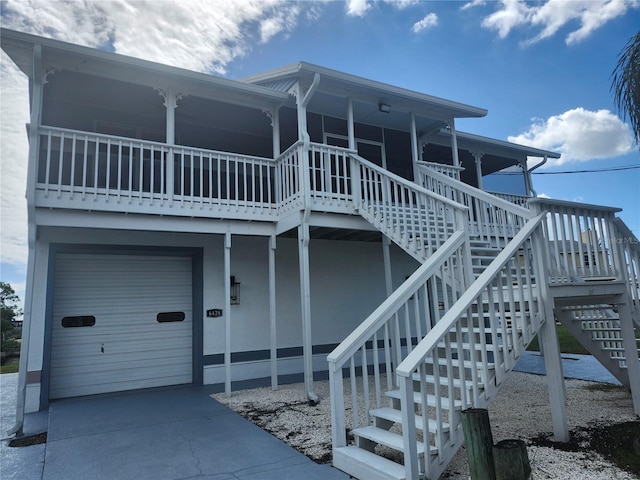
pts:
[127, 348]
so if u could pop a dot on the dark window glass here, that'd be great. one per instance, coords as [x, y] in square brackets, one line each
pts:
[79, 321]
[164, 317]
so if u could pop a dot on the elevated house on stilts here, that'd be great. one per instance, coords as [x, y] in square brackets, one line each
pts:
[185, 228]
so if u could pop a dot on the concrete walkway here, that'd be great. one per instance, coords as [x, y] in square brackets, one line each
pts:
[161, 434]
[174, 434]
[580, 367]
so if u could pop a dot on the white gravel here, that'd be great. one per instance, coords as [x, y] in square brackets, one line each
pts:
[520, 410]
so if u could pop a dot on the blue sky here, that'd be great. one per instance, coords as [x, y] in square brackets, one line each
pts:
[541, 69]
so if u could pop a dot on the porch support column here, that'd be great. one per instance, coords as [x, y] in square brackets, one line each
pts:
[275, 123]
[454, 143]
[351, 124]
[227, 316]
[414, 147]
[170, 102]
[527, 176]
[478, 161]
[272, 313]
[36, 86]
[305, 303]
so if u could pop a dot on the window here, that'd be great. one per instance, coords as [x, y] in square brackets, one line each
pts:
[166, 317]
[79, 321]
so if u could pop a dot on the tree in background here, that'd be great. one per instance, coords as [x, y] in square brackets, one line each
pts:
[9, 311]
[626, 84]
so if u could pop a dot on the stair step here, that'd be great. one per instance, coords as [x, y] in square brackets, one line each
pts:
[445, 381]
[456, 363]
[361, 463]
[431, 400]
[393, 415]
[388, 439]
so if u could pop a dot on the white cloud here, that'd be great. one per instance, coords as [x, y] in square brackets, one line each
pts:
[553, 15]
[358, 8]
[473, 3]
[402, 4]
[580, 135]
[429, 21]
[201, 36]
[512, 14]
[543, 195]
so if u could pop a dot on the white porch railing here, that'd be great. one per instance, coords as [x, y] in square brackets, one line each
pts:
[148, 176]
[583, 244]
[463, 359]
[448, 170]
[490, 218]
[521, 200]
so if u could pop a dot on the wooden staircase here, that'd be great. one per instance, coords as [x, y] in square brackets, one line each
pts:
[445, 340]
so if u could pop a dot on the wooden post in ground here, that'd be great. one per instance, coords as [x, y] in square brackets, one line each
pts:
[511, 460]
[479, 443]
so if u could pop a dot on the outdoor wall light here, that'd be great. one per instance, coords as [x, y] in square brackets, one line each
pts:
[384, 108]
[235, 291]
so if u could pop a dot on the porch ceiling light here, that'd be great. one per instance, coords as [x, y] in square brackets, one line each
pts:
[384, 108]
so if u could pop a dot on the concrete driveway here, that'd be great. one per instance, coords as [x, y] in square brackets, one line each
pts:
[170, 433]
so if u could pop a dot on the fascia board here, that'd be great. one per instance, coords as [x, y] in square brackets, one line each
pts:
[13, 41]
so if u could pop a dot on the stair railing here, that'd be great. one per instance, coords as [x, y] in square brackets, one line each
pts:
[630, 256]
[583, 243]
[416, 219]
[381, 342]
[490, 218]
[469, 351]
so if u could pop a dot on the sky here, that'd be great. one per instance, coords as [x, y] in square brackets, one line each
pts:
[541, 69]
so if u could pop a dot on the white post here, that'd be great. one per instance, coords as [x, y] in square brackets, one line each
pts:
[37, 84]
[272, 313]
[454, 143]
[170, 102]
[414, 148]
[478, 158]
[549, 342]
[227, 315]
[305, 304]
[351, 125]
[275, 123]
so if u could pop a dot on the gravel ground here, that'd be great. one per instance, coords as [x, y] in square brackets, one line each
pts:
[520, 410]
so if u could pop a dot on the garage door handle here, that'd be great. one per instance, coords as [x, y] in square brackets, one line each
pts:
[102, 348]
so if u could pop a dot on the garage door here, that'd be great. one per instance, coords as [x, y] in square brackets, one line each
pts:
[120, 322]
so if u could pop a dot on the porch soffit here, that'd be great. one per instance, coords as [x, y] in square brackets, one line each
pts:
[490, 146]
[19, 47]
[344, 85]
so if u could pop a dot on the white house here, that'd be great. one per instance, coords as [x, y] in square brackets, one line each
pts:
[186, 228]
